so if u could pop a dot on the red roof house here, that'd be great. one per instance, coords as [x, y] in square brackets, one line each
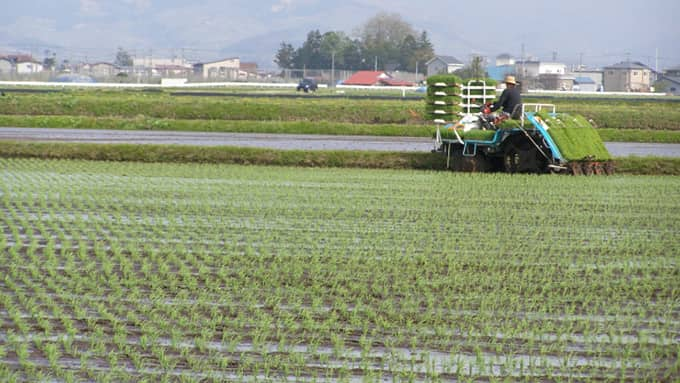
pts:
[369, 78]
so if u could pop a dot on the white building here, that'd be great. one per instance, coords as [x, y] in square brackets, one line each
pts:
[222, 69]
[504, 59]
[532, 69]
[29, 66]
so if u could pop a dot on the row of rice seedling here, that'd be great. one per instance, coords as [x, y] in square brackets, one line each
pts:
[129, 272]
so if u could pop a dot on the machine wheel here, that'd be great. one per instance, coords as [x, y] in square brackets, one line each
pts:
[609, 168]
[587, 168]
[521, 156]
[511, 159]
[477, 163]
[574, 168]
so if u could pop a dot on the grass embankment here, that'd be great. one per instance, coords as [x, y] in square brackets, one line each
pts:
[225, 126]
[256, 156]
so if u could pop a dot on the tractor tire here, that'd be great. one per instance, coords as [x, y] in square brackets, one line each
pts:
[511, 159]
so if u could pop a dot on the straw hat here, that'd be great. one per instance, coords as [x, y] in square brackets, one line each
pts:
[510, 80]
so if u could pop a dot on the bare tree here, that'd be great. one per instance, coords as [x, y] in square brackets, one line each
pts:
[385, 29]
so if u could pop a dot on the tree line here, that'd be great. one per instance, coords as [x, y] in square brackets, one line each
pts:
[384, 42]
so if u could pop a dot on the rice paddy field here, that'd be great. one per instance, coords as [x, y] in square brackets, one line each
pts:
[130, 272]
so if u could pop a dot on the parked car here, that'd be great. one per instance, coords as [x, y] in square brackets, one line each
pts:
[307, 84]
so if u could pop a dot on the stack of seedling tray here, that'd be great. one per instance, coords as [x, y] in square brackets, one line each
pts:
[443, 98]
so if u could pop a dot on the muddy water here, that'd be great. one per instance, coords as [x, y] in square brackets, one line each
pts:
[279, 141]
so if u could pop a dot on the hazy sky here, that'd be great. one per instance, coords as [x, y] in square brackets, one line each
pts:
[598, 32]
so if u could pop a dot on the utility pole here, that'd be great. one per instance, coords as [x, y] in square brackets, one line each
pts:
[523, 86]
[333, 69]
[375, 65]
[656, 61]
[416, 71]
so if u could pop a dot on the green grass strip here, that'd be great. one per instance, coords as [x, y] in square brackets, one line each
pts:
[257, 156]
[230, 126]
[221, 154]
[163, 106]
[640, 135]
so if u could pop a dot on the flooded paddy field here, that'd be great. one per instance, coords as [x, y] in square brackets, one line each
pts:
[189, 272]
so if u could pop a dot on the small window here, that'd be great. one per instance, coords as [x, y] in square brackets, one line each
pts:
[635, 73]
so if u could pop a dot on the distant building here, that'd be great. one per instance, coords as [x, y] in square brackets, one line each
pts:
[247, 70]
[533, 69]
[671, 78]
[28, 66]
[100, 69]
[222, 69]
[585, 84]
[443, 64]
[554, 81]
[627, 77]
[374, 78]
[504, 59]
[161, 67]
[597, 76]
[6, 66]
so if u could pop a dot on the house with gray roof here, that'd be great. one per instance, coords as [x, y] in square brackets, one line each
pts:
[442, 65]
[628, 76]
[670, 78]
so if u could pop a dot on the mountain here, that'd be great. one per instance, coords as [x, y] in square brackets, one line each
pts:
[599, 33]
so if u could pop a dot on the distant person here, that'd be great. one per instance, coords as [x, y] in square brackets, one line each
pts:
[509, 100]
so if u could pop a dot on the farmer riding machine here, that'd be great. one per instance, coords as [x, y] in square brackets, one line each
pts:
[536, 140]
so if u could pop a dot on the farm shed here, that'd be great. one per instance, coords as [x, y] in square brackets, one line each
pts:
[226, 69]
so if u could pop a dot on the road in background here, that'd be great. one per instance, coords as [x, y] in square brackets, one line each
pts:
[278, 141]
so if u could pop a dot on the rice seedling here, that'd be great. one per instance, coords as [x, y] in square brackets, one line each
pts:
[188, 271]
